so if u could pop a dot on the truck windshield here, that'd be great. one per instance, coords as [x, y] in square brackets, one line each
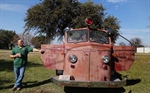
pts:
[99, 37]
[77, 36]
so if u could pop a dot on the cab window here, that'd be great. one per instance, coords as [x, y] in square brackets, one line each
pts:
[77, 36]
[99, 37]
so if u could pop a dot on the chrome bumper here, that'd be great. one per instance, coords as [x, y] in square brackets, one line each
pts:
[103, 84]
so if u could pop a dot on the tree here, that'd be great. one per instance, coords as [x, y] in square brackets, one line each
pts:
[38, 40]
[6, 38]
[136, 42]
[122, 44]
[26, 38]
[113, 23]
[35, 42]
[14, 41]
[51, 17]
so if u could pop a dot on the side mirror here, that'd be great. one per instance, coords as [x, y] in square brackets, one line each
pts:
[109, 31]
[67, 29]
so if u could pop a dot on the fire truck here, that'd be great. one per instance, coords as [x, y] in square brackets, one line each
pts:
[88, 58]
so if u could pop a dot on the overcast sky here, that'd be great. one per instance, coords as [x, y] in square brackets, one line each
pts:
[134, 15]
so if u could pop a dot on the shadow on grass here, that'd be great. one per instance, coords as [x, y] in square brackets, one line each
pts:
[7, 65]
[35, 83]
[29, 84]
[101, 90]
[93, 90]
[133, 82]
[5, 81]
[6, 87]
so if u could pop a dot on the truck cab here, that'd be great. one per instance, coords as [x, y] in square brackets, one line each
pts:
[88, 58]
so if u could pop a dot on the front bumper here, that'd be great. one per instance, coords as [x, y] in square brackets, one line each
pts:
[93, 84]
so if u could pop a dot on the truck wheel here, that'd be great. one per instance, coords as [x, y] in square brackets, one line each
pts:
[59, 72]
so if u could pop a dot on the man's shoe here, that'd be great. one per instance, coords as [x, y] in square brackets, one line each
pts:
[13, 89]
[18, 88]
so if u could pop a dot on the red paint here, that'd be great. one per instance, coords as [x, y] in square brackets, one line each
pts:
[89, 66]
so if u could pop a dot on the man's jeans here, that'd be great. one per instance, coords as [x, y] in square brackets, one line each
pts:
[19, 74]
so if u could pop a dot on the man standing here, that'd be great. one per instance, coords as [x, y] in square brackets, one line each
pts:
[20, 55]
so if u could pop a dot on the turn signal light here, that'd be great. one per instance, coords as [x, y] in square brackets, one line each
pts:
[72, 66]
[114, 55]
[105, 67]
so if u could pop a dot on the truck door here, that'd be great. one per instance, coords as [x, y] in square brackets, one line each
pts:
[53, 57]
[124, 57]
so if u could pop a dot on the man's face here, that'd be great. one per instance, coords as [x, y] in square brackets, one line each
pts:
[20, 42]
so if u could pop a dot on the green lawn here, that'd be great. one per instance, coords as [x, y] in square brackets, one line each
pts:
[37, 77]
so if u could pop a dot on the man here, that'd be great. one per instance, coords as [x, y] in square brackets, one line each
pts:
[20, 55]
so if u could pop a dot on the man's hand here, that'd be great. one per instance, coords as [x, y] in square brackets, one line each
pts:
[38, 50]
[18, 55]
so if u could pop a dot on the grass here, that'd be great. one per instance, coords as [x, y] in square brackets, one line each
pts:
[37, 77]
[140, 70]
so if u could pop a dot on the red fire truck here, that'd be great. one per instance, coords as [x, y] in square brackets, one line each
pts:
[88, 58]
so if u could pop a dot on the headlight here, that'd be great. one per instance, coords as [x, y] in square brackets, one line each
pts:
[73, 58]
[105, 59]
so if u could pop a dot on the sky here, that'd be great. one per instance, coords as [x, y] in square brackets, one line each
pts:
[133, 15]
